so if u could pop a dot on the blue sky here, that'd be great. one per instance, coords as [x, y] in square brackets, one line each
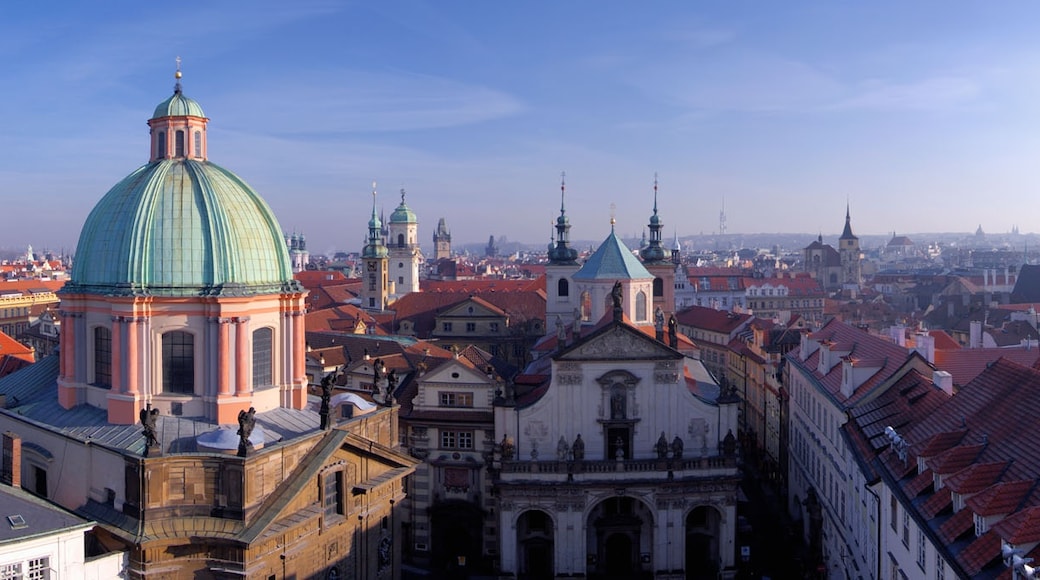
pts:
[924, 116]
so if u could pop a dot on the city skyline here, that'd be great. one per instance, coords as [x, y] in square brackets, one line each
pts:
[917, 116]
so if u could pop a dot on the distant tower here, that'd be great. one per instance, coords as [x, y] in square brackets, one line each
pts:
[298, 254]
[491, 251]
[659, 263]
[722, 218]
[403, 243]
[442, 241]
[848, 250]
[30, 257]
[375, 288]
[676, 250]
[561, 294]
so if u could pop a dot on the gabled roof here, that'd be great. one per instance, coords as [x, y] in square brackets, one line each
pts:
[966, 363]
[720, 321]
[859, 345]
[422, 308]
[1027, 286]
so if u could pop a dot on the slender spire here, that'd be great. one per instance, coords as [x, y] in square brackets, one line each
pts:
[375, 248]
[560, 253]
[655, 193]
[847, 233]
[177, 75]
[654, 251]
[613, 213]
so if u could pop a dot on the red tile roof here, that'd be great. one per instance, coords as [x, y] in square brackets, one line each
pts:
[919, 483]
[966, 363]
[317, 278]
[1020, 528]
[954, 459]
[938, 443]
[422, 308]
[975, 478]
[956, 526]
[859, 344]
[935, 504]
[980, 553]
[999, 499]
[721, 321]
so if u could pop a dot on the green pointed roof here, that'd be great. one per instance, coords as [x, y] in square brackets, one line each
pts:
[181, 227]
[613, 261]
[178, 105]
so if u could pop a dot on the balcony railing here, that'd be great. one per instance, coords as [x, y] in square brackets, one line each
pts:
[647, 466]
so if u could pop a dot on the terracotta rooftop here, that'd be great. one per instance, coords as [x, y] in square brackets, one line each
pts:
[975, 478]
[957, 525]
[1020, 528]
[938, 443]
[978, 554]
[1002, 498]
[954, 459]
[844, 338]
[712, 320]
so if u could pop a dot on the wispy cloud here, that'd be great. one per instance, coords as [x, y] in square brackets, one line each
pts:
[930, 94]
[359, 101]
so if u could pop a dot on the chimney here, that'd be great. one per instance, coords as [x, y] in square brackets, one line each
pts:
[944, 381]
[925, 344]
[975, 334]
[11, 473]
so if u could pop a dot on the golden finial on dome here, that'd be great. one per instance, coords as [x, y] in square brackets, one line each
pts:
[177, 75]
[613, 210]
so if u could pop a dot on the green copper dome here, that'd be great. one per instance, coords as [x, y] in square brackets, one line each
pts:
[181, 227]
[178, 106]
[403, 214]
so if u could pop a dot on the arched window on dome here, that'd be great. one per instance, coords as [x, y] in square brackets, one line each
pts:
[160, 143]
[198, 144]
[178, 362]
[102, 357]
[263, 368]
[641, 306]
[179, 144]
[400, 240]
[658, 287]
[563, 288]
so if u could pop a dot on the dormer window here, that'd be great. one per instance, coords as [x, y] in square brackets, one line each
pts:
[980, 526]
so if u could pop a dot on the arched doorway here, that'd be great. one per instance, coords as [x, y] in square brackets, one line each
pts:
[620, 539]
[534, 537]
[702, 543]
[456, 536]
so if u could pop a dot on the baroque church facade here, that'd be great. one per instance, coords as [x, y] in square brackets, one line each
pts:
[616, 453]
[182, 313]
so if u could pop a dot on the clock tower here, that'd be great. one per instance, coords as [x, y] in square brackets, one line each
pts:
[375, 285]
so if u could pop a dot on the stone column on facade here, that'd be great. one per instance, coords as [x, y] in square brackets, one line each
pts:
[299, 378]
[132, 346]
[69, 346]
[223, 356]
[63, 337]
[117, 353]
[242, 383]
